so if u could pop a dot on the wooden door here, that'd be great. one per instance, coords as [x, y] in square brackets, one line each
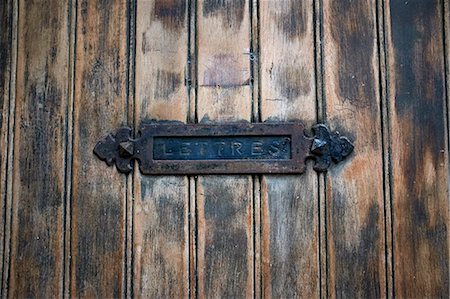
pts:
[376, 225]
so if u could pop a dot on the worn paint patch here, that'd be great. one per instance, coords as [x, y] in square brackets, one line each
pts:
[225, 70]
[231, 11]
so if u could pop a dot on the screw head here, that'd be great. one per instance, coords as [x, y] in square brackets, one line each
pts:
[126, 149]
[318, 146]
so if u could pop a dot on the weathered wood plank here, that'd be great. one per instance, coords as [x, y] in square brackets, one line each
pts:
[223, 39]
[416, 72]
[384, 94]
[39, 150]
[354, 190]
[224, 207]
[161, 240]
[289, 217]
[224, 203]
[98, 192]
[7, 75]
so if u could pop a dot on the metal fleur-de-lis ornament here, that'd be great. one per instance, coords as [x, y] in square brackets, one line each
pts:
[327, 147]
[177, 148]
[117, 149]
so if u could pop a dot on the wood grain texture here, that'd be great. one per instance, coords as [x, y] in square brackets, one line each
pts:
[386, 152]
[98, 192]
[289, 217]
[354, 190]
[224, 203]
[225, 266]
[419, 151]
[161, 241]
[39, 152]
[223, 39]
[6, 72]
[8, 76]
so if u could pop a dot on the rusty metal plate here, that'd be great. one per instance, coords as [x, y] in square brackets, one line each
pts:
[235, 148]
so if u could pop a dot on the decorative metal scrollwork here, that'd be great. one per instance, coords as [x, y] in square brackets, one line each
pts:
[176, 148]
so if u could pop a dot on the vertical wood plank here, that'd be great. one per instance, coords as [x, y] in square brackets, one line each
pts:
[223, 39]
[224, 212]
[224, 203]
[446, 17]
[39, 150]
[98, 192]
[354, 190]
[7, 72]
[416, 73]
[387, 186]
[161, 241]
[131, 112]
[289, 217]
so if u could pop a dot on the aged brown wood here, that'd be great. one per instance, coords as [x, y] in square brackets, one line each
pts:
[98, 194]
[36, 257]
[354, 191]
[375, 226]
[161, 202]
[420, 196]
[289, 215]
[6, 90]
[224, 203]
[8, 77]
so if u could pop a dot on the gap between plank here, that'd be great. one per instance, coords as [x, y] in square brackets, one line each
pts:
[10, 157]
[67, 243]
[385, 147]
[130, 181]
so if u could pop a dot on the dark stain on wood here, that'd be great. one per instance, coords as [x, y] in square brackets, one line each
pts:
[357, 262]
[94, 250]
[292, 19]
[6, 13]
[171, 13]
[167, 83]
[226, 250]
[173, 218]
[351, 31]
[292, 82]
[355, 221]
[98, 228]
[38, 183]
[5, 49]
[146, 44]
[420, 196]
[288, 262]
[289, 268]
[231, 11]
